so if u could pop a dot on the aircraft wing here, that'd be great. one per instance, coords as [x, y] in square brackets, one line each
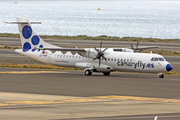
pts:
[144, 47]
[64, 49]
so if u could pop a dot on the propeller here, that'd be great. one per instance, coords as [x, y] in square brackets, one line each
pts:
[135, 49]
[100, 53]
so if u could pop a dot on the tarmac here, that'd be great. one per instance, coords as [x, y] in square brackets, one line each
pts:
[58, 94]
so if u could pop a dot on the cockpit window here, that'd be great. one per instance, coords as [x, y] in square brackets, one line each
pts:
[161, 59]
[152, 59]
[155, 59]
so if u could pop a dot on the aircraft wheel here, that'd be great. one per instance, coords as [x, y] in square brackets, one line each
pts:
[87, 72]
[161, 76]
[106, 73]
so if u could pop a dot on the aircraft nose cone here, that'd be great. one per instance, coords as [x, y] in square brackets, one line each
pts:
[169, 67]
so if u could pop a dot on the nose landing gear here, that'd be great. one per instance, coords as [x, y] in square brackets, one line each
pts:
[161, 75]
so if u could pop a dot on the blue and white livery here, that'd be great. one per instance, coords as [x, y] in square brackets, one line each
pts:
[100, 59]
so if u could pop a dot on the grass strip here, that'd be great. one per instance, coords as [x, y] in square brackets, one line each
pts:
[36, 66]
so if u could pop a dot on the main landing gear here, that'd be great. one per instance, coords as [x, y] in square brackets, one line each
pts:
[88, 72]
[106, 73]
[161, 75]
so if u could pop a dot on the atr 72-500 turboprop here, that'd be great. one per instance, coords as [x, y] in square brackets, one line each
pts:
[104, 60]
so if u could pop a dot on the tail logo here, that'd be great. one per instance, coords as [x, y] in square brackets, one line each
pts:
[27, 32]
[35, 40]
[26, 47]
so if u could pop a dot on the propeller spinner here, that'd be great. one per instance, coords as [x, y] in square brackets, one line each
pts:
[100, 53]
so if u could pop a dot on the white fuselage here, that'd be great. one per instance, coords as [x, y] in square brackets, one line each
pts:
[116, 61]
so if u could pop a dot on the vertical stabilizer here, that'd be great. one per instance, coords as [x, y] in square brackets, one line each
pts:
[29, 39]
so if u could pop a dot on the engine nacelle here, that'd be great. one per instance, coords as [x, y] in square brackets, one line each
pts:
[90, 53]
[127, 50]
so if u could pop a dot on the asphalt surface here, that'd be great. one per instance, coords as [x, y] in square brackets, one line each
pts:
[60, 94]
[174, 116]
[75, 83]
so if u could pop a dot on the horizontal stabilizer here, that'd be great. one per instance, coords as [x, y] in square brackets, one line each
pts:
[23, 22]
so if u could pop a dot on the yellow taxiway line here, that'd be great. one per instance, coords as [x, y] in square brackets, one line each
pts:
[104, 99]
[164, 100]
[33, 102]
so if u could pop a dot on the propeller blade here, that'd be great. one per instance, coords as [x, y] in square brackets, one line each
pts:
[104, 58]
[94, 59]
[105, 49]
[96, 49]
[99, 61]
[132, 46]
[137, 43]
[101, 44]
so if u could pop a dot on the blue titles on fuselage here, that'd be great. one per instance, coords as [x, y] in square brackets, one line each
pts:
[138, 64]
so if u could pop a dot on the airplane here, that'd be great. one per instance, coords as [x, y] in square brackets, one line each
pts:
[91, 60]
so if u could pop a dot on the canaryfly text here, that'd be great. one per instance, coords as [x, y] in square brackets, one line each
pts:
[138, 64]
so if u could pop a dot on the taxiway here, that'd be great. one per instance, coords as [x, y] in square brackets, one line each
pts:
[59, 94]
